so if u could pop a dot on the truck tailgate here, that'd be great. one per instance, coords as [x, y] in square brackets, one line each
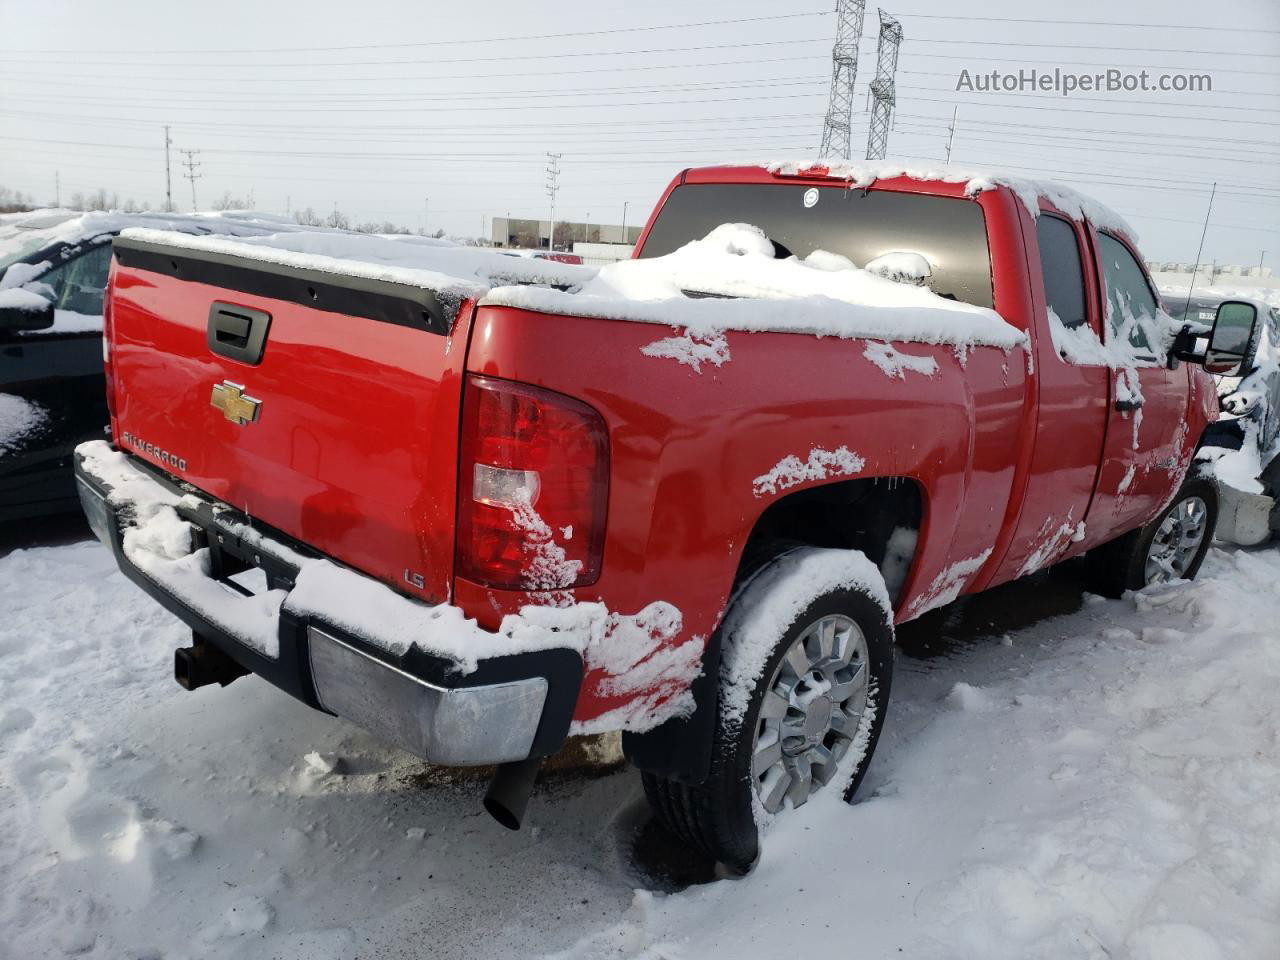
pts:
[342, 433]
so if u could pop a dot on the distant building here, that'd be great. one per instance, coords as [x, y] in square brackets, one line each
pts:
[532, 234]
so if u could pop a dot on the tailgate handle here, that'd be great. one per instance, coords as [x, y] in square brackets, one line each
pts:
[238, 333]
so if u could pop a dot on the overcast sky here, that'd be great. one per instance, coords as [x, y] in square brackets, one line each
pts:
[442, 113]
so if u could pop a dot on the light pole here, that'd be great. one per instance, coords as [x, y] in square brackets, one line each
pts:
[624, 220]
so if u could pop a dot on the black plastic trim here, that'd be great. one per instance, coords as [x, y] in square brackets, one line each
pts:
[382, 300]
[238, 333]
[680, 749]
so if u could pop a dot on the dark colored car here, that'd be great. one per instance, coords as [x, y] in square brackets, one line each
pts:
[53, 271]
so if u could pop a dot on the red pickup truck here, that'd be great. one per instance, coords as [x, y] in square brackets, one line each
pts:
[477, 516]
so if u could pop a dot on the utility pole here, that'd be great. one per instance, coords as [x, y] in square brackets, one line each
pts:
[1261, 257]
[168, 180]
[288, 202]
[882, 87]
[426, 214]
[192, 166]
[57, 192]
[624, 220]
[844, 71]
[951, 131]
[553, 184]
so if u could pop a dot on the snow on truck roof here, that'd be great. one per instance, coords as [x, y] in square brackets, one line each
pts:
[728, 280]
[1029, 191]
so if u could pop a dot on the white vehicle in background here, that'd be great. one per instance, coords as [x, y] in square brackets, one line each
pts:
[1242, 449]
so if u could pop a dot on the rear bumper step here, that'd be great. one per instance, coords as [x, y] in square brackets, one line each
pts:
[507, 709]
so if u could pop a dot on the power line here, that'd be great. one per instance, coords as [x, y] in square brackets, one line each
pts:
[1105, 113]
[1090, 46]
[222, 102]
[382, 63]
[1086, 23]
[1074, 99]
[463, 40]
[1161, 137]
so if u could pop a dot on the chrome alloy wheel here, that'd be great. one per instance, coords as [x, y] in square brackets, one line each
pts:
[811, 711]
[1177, 541]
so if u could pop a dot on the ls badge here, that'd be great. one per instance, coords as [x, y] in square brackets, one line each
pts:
[235, 405]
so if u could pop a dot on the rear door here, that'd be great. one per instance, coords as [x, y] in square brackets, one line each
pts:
[1073, 402]
[1147, 429]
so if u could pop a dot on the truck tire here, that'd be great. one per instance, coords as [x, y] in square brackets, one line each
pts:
[826, 674]
[1170, 547]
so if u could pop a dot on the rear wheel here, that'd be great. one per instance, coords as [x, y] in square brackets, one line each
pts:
[801, 704]
[1170, 547]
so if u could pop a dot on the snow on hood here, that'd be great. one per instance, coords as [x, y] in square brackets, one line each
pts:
[730, 280]
[28, 233]
[861, 174]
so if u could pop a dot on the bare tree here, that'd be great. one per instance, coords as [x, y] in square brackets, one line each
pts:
[228, 202]
[15, 201]
[308, 218]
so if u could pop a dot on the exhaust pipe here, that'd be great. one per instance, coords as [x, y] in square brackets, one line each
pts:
[509, 791]
[202, 664]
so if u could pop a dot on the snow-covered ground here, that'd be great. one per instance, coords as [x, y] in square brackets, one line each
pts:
[1102, 784]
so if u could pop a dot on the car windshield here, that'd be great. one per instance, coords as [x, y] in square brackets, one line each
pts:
[949, 232]
[21, 237]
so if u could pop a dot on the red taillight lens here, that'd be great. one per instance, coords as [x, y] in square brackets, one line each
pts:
[533, 488]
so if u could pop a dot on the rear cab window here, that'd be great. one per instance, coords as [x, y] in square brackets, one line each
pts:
[950, 232]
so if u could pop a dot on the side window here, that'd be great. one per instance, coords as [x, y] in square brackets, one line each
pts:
[78, 284]
[1063, 270]
[1130, 302]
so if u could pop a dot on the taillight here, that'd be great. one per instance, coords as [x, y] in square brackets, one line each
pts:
[533, 488]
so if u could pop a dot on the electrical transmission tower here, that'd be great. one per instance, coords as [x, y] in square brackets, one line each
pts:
[844, 71]
[882, 91]
[553, 184]
[192, 166]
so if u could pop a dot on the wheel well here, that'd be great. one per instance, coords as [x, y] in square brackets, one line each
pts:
[878, 515]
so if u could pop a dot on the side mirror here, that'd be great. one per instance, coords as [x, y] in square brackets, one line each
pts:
[1232, 335]
[24, 310]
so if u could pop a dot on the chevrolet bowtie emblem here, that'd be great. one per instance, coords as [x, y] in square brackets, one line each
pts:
[235, 406]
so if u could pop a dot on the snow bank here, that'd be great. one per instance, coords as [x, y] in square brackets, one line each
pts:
[1114, 799]
[1030, 192]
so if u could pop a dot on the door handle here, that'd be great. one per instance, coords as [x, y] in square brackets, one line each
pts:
[239, 333]
[1127, 406]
